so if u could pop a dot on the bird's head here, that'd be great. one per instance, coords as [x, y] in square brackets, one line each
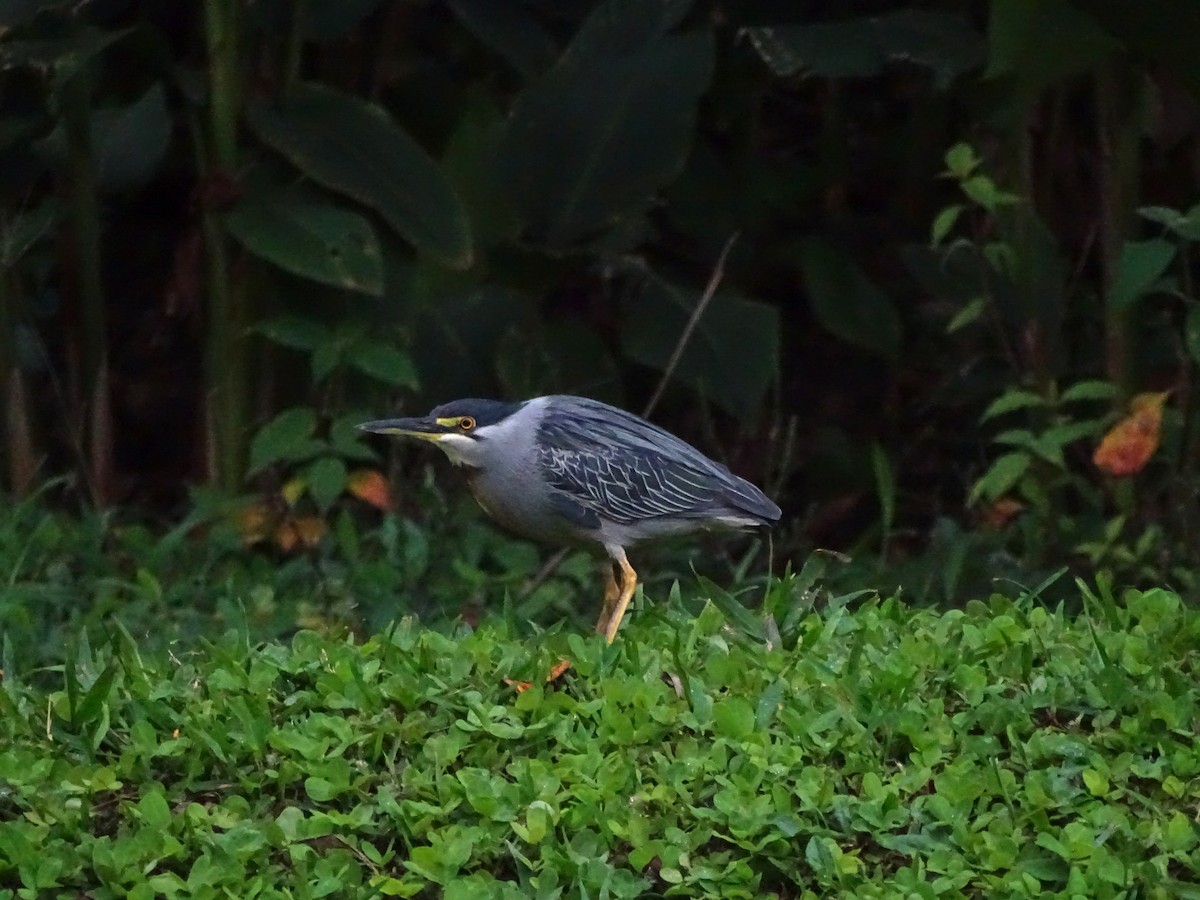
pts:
[461, 428]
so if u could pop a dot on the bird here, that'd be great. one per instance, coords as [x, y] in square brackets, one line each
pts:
[568, 470]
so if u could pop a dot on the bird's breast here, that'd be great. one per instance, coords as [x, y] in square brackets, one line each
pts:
[516, 504]
[491, 495]
[480, 494]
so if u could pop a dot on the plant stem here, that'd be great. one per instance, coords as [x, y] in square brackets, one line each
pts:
[1117, 145]
[1117, 142]
[224, 99]
[85, 224]
[9, 374]
[295, 47]
[89, 406]
[226, 354]
[1034, 349]
[1189, 406]
[714, 282]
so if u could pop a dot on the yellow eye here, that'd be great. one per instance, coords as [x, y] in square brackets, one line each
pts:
[466, 423]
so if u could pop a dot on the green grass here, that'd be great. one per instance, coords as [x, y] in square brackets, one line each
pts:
[62, 574]
[881, 751]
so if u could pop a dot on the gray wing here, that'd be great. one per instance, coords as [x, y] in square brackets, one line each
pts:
[629, 487]
[630, 470]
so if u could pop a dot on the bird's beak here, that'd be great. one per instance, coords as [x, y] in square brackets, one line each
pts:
[425, 428]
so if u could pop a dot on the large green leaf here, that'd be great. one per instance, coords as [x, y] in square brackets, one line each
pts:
[62, 56]
[326, 481]
[1000, 477]
[732, 354]
[384, 362]
[128, 143]
[475, 138]
[592, 140]
[846, 302]
[1037, 42]
[296, 332]
[310, 237]
[942, 42]
[511, 29]
[352, 147]
[14, 12]
[458, 337]
[562, 356]
[289, 436]
[1186, 225]
[1140, 265]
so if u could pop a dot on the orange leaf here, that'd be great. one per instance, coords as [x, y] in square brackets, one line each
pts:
[311, 529]
[253, 522]
[303, 533]
[370, 485]
[1001, 512]
[555, 672]
[286, 538]
[1127, 448]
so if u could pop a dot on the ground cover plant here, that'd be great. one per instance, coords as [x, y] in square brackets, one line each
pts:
[62, 575]
[949, 322]
[850, 746]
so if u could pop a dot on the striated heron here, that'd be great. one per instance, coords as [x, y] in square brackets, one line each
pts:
[568, 470]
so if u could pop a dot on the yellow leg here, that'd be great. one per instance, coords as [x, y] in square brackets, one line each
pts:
[612, 592]
[628, 585]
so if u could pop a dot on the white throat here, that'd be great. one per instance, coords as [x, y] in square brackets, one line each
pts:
[459, 448]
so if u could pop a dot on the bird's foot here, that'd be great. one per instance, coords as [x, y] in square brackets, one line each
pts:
[612, 593]
[628, 586]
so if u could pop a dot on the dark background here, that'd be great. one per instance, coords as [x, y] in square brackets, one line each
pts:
[962, 243]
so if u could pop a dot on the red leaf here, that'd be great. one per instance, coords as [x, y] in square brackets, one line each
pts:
[370, 486]
[557, 669]
[1127, 448]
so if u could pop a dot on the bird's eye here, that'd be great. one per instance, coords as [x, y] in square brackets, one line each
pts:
[466, 423]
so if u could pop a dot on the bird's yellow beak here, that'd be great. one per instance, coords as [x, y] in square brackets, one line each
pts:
[423, 428]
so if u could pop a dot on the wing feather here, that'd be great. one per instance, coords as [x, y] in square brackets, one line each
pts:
[628, 469]
[622, 488]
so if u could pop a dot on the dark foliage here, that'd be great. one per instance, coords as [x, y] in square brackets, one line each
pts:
[230, 228]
